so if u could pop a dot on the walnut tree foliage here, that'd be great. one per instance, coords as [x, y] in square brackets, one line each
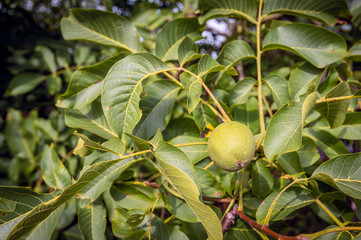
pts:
[142, 117]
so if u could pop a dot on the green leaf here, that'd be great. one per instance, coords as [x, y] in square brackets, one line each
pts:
[90, 118]
[42, 210]
[53, 171]
[178, 207]
[290, 200]
[122, 88]
[86, 84]
[46, 229]
[195, 153]
[24, 83]
[351, 128]
[308, 153]
[54, 84]
[114, 30]
[319, 10]
[20, 141]
[208, 65]
[48, 57]
[279, 89]
[284, 132]
[193, 87]
[187, 51]
[115, 145]
[92, 221]
[355, 51]
[234, 52]
[241, 230]
[227, 8]
[180, 173]
[241, 91]
[248, 114]
[208, 183]
[326, 141]
[336, 235]
[262, 180]
[133, 196]
[103, 181]
[343, 173]
[330, 82]
[20, 202]
[172, 35]
[156, 107]
[290, 162]
[302, 78]
[307, 41]
[335, 111]
[204, 117]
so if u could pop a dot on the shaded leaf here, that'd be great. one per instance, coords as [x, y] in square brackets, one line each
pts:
[248, 114]
[227, 8]
[302, 78]
[241, 91]
[187, 51]
[308, 42]
[116, 145]
[180, 173]
[262, 180]
[241, 230]
[326, 141]
[122, 88]
[336, 235]
[308, 153]
[48, 57]
[208, 65]
[156, 107]
[84, 25]
[279, 89]
[208, 184]
[234, 52]
[92, 221]
[335, 111]
[24, 83]
[90, 118]
[193, 87]
[284, 132]
[204, 117]
[53, 171]
[290, 162]
[290, 200]
[343, 173]
[319, 10]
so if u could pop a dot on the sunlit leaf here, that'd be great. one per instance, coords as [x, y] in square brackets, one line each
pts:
[204, 117]
[290, 162]
[122, 88]
[180, 173]
[115, 31]
[193, 87]
[86, 84]
[187, 51]
[307, 41]
[195, 153]
[284, 132]
[208, 65]
[290, 200]
[172, 35]
[342, 172]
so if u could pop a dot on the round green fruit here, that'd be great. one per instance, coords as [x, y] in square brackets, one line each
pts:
[231, 146]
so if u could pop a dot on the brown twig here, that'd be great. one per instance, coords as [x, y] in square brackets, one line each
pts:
[268, 231]
[217, 200]
[228, 220]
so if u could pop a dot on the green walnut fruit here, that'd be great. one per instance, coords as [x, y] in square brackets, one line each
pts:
[231, 146]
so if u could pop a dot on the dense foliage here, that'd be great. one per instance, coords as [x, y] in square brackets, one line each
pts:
[139, 90]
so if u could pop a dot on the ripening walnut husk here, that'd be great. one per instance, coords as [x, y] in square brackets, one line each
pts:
[231, 146]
